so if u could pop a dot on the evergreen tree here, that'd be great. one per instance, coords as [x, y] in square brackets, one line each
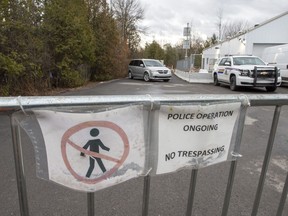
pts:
[70, 43]
[111, 53]
[210, 41]
[171, 56]
[20, 46]
[154, 51]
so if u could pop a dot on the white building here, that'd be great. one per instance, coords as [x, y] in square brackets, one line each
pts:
[252, 42]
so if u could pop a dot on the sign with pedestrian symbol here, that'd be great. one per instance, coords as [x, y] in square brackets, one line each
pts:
[89, 152]
[92, 149]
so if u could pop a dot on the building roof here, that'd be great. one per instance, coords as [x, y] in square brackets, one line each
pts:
[251, 29]
[268, 21]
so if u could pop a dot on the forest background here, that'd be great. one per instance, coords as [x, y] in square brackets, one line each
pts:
[51, 44]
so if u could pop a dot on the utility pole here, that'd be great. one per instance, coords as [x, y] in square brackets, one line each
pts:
[187, 40]
[186, 44]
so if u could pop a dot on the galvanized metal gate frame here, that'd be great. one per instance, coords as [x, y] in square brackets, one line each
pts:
[11, 104]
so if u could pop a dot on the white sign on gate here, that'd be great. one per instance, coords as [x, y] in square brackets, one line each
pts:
[92, 151]
[195, 135]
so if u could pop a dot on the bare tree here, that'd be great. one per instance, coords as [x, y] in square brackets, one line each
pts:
[228, 29]
[219, 23]
[128, 13]
[231, 29]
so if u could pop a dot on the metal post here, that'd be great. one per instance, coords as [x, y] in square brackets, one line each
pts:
[276, 76]
[234, 163]
[192, 188]
[266, 160]
[19, 168]
[147, 178]
[229, 188]
[255, 76]
[90, 204]
[283, 198]
[146, 194]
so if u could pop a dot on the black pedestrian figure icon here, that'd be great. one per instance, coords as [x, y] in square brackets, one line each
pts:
[94, 145]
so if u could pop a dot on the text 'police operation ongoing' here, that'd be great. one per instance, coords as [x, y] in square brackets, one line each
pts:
[187, 116]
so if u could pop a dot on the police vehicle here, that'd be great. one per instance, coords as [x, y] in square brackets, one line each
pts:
[238, 71]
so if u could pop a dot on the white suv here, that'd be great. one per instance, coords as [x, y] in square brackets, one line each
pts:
[246, 71]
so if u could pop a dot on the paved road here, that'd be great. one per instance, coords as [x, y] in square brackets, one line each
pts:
[168, 192]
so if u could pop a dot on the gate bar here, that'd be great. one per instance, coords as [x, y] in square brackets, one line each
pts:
[90, 204]
[266, 160]
[233, 166]
[12, 103]
[19, 168]
[191, 194]
[229, 187]
[283, 198]
[147, 178]
[146, 194]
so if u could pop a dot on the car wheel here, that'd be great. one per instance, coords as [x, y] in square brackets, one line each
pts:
[130, 75]
[270, 88]
[216, 82]
[233, 85]
[146, 77]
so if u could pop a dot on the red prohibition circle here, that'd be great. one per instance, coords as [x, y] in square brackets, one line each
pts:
[118, 162]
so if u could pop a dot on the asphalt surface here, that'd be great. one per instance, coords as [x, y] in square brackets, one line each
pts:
[169, 192]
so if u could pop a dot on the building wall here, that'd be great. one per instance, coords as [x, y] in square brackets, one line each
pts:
[271, 34]
[235, 46]
[253, 42]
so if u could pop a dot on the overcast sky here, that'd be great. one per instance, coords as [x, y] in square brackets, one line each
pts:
[166, 19]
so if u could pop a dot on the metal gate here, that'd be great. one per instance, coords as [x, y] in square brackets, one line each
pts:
[8, 105]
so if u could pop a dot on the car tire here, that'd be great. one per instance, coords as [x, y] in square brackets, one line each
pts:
[233, 85]
[146, 77]
[215, 80]
[270, 88]
[130, 76]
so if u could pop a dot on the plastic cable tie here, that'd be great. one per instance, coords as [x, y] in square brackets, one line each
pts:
[20, 104]
[247, 101]
[148, 172]
[151, 101]
[236, 155]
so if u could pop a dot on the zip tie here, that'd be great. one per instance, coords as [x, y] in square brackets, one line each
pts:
[151, 101]
[148, 172]
[20, 104]
[236, 155]
[247, 101]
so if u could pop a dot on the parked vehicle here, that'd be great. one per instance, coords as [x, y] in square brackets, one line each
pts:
[238, 71]
[148, 69]
[278, 56]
